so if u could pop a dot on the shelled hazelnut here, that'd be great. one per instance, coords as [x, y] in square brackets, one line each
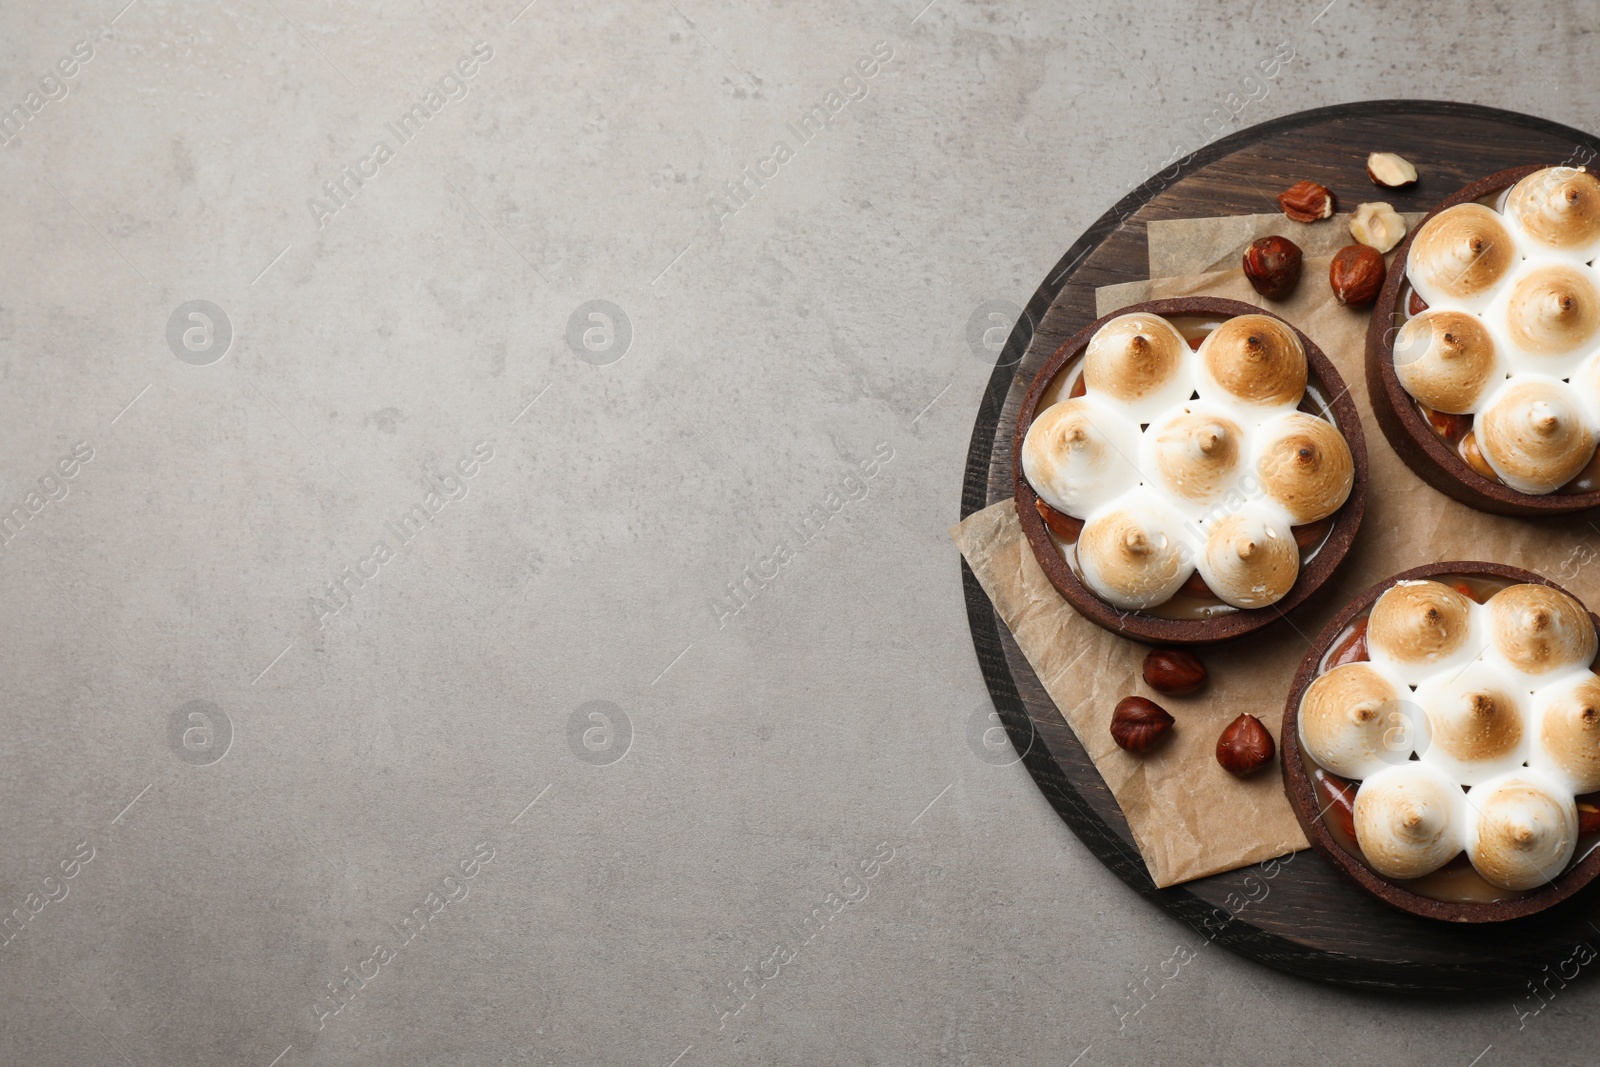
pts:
[1390, 171]
[1377, 225]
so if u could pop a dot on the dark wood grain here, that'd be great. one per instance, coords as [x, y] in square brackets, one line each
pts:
[1300, 916]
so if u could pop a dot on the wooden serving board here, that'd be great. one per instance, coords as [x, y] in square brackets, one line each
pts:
[1297, 914]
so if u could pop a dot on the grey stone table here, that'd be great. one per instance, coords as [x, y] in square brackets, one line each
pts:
[474, 565]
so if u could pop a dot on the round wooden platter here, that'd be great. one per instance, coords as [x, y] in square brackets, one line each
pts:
[1299, 916]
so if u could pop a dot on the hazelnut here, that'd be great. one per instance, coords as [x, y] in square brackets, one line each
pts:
[1353, 649]
[1588, 817]
[1273, 266]
[1311, 533]
[1174, 671]
[1340, 810]
[1469, 451]
[1138, 724]
[1389, 170]
[1063, 526]
[1245, 746]
[1450, 427]
[1377, 225]
[1356, 275]
[1306, 202]
[1196, 587]
[1416, 305]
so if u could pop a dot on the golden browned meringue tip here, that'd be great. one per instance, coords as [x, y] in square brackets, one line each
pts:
[1409, 820]
[1079, 454]
[1196, 452]
[1535, 434]
[1554, 310]
[1523, 831]
[1353, 721]
[1134, 356]
[1558, 207]
[1445, 359]
[1256, 358]
[1305, 464]
[1250, 558]
[1461, 254]
[1540, 630]
[1134, 557]
[1567, 744]
[1477, 722]
[1420, 627]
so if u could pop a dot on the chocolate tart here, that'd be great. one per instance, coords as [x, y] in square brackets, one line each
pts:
[1428, 456]
[1231, 622]
[1309, 807]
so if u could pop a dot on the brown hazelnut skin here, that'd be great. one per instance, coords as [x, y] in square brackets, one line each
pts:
[1353, 649]
[1306, 202]
[1272, 265]
[1341, 808]
[1311, 533]
[1450, 427]
[1356, 274]
[1245, 746]
[1469, 451]
[1063, 526]
[1138, 723]
[1416, 305]
[1588, 815]
[1174, 672]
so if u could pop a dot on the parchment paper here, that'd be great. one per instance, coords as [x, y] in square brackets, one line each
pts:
[1198, 246]
[1189, 817]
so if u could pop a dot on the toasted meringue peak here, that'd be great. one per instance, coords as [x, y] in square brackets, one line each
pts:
[1195, 452]
[1553, 311]
[1409, 819]
[1558, 208]
[1460, 255]
[1355, 720]
[1540, 631]
[1522, 830]
[1566, 745]
[1445, 359]
[1417, 628]
[1477, 722]
[1079, 454]
[1255, 358]
[1134, 555]
[1250, 558]
[1305, 465]
[1535, 433]
[1140, 360]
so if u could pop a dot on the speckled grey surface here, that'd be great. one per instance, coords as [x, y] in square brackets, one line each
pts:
[536, 771]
